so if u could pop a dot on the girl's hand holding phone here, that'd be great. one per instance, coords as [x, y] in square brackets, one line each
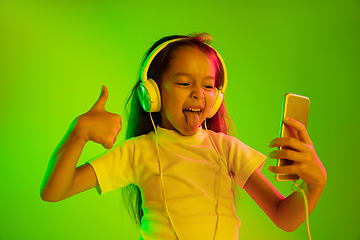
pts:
[97, 124]
[306, 163]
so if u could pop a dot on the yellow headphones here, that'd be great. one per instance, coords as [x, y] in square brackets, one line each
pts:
[148, 90]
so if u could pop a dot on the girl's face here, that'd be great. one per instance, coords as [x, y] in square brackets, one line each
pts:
[187, 91]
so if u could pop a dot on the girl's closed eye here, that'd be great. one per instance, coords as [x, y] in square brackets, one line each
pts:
[183, 84]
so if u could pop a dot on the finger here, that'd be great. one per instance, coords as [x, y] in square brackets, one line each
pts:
[114, 140]
[119, 122]
[289, 142]
[100, 103]
[300, 128]
[107, 145]
[110, 143]
[287, 154]
[289, 169]
[292, 132]
[116, 123]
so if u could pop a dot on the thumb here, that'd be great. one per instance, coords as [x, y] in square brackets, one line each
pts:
[100, 103]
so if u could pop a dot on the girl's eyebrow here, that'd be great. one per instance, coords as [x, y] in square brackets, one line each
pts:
[179, 74]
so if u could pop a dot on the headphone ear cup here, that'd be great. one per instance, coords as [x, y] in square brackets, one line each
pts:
[218, 98]
[149, 96]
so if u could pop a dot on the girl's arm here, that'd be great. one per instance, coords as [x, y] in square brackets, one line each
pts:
[62, 179]
[289, 213]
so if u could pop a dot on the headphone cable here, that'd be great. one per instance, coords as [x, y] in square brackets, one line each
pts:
[219, 172]
[295, 188]
[161, 175]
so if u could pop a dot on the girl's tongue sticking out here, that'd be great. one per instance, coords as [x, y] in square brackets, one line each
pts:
[193, 119]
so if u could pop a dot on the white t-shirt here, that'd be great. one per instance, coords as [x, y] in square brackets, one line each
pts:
[190, 172]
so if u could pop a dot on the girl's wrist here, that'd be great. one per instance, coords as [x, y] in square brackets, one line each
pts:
[78, 133]
[314, 189]
[78, 138]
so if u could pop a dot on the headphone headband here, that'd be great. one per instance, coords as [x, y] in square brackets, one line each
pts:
[148, 91]
[154, 53]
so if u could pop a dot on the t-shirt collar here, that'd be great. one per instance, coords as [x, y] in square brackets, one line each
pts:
[174, 136]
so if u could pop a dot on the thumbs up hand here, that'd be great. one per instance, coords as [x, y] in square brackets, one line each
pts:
[98, 125]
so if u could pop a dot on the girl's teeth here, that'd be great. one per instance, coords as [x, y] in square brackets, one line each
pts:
[194, 110]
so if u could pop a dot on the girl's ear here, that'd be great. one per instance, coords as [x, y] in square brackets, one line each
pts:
[149, 95]
[148, 90]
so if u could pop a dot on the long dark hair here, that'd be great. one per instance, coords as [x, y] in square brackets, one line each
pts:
[139, 122]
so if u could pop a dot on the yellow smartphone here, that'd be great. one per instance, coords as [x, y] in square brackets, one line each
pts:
[295, 107]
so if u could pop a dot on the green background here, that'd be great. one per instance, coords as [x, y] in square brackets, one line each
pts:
[54, 57]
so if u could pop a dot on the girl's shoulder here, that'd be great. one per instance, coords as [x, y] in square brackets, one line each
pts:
[222, 136]
[148, 137]
[225, 140]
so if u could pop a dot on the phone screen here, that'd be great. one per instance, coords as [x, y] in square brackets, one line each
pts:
[295, 107]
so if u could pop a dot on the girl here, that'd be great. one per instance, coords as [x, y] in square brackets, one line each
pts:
[177, 173]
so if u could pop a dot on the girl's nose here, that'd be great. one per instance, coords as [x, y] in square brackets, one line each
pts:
[197, 93]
